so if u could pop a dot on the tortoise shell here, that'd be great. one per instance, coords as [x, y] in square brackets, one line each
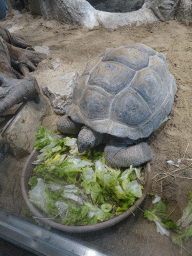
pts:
[127, 92]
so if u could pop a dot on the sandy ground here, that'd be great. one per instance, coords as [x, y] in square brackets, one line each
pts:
[74, 46]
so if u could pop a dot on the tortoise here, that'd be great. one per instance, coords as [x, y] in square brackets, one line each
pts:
[121, 98]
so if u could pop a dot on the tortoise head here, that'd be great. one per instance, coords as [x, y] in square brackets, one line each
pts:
[86, 139]
[89, 138]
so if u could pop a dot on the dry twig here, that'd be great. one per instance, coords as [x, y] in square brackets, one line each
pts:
[171, 173]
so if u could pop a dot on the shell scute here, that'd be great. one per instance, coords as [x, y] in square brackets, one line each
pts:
[159, 65]
[95, 103]
[130, 57]
[149, 86]
[129, 108]
[111, 76]
[143, 48]
[79, 88]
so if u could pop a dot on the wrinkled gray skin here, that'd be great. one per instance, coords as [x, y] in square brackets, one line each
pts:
[120, 99]
[17, 58]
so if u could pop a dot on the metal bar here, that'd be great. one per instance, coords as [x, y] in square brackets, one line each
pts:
[39, 240]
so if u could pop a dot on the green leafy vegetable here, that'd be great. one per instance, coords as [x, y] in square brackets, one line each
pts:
[156, 214]
[44, 137]
[79, 189]
[171, 224]
[186, 218]
[184, 237]
[185, 223]
[79, 216]
[106, 207]
[33, 181]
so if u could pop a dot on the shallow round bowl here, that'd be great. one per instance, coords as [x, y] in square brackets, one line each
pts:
[28, 172]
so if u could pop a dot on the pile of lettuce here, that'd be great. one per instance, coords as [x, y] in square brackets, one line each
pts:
[79, 189]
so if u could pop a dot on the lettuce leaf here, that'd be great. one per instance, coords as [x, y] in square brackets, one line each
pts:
[97, 194]
[184, 237]
[79, 216]
[97, 185]
[186, 218]
[100, 214]
[44, 137]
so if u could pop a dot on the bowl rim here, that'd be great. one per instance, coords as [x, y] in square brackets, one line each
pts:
[27, 170]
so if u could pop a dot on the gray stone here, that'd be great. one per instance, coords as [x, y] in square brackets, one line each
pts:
[113, 13]
[113, 20]
[60, 91]
[42, 49]
[163, 9]
[70, 11]
[184, 12]
[19, 133]
[83, 13]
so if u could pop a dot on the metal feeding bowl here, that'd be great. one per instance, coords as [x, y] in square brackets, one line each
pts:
[28, 172]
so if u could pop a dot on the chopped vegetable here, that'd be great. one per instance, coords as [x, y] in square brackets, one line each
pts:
[184, 237]
[186, 218]
[184, 226]
[79, 189]
[44, 137]
[185, 223]
[106, 207]
[156, 214]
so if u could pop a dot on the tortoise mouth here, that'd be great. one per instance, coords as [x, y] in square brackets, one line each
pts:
[120, 6]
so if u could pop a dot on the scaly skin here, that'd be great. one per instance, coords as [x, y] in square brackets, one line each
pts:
[135, 155]
[67, 126]
[117, 151]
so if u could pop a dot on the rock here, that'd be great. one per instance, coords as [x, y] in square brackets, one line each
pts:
[42, 49]
[113, 20]
[19, 133]
[70, 11]
[83, 13]
[15, 28]
[163, 9]
[184, 11]
[60, 91]
[114, 13]
[55, 64]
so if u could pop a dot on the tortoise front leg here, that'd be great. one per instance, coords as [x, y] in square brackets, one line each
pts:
[66, 125]
[121, 156]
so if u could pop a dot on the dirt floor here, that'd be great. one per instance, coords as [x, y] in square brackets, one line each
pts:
[74, 46]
